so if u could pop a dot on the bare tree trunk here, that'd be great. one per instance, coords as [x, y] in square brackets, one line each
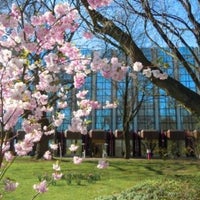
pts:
[127, 144]
[43, 145]
[126, 120]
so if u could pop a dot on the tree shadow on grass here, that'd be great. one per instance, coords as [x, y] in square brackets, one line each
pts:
[118, 167]
[159, 172]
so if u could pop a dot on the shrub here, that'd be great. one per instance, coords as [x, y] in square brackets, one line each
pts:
[183, 188]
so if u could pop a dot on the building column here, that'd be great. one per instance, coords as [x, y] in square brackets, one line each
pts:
[94, 96]
[156, 95]
[177, 108]
[114, 110]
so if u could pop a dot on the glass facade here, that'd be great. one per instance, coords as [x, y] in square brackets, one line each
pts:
[158, 111]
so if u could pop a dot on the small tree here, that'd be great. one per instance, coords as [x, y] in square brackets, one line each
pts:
[129, 105]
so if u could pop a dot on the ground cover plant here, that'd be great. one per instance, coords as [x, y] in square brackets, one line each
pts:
[122, 179]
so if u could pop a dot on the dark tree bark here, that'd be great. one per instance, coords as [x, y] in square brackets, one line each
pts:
[43, 145]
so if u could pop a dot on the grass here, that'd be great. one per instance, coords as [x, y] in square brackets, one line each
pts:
[120, 175]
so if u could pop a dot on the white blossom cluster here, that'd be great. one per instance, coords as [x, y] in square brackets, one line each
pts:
[148, 72]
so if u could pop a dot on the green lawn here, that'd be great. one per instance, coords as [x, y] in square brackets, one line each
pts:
[120, 175]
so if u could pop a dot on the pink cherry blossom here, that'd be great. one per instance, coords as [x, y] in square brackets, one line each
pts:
[8, 156]
[49, 132]
[61, 9]
[114, 61]
[147, 72]
[83, 112]
[84, 130]
[51, 60]
[77, 160]
[110, 105]
[29, 127]
[20, 87]
[163, 76]
[156, 73]
[79, 80]
[41, 187]
[94, 4]
[57, 176]
[115, 69]
[81, 94]
[106, 68]
[37, 20]
[29, 30]
[15, 11]
[106, 74]
[5, 56]
[45, 83]
[95, 104]
[73, 147]
[77, 125]
[62, 105]
[53, 146]
[56, 167]
[137, 66]
[49, 17]
[102, 164]
[47, 155]
[45, 128]
[23, 148]
[38, 113]
[116, 75]
[88, 104]
[58, 120]
[5, 146]
[12, 114]
[43, 99]
[75, 122]
[10, 185]
[35, 135]
[96, 63]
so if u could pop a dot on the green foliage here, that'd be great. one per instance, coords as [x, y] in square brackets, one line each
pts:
[161, 189]
[48, 178]
[176, 149]
[81, 178]
[72, 177]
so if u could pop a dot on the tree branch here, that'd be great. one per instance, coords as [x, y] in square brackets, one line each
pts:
[175, 89]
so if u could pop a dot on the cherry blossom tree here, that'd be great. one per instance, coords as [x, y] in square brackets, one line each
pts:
[34, 53]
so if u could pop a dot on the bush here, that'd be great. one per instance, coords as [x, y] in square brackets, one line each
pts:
[161, 189]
